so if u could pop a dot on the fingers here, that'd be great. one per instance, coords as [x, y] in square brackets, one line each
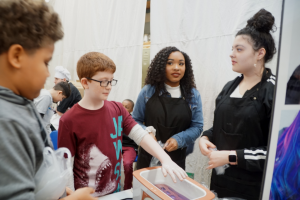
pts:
[178, 174]
[90, 190]
[204, 145]
[170, 172]
[166, 144]
[170, 147]
[184, 173]
[211, 145]
[210, 167]
[69, 191]
[164, 171]
[204, 150]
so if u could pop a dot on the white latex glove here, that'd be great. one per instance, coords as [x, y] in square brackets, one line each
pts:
[171, 168]
[151, 129]
[168, 166]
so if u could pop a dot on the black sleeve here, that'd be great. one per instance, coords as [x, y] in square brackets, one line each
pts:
[52, 127]
[208, 133]
[253, 158]
[64, 105]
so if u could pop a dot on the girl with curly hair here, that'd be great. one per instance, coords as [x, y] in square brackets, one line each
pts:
[243, 111]
[171, 104]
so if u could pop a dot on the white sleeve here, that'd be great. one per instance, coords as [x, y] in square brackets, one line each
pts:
[137, 133]
[70, 182]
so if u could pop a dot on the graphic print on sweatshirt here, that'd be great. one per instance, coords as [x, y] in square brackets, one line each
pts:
[97, 171]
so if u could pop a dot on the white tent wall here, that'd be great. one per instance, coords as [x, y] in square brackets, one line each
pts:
[112, 27]
[205, 30]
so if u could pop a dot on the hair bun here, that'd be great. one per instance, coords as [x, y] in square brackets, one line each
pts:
[262, 21]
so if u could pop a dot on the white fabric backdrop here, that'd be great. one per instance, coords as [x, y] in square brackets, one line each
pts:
[112, 27]
[205, 30]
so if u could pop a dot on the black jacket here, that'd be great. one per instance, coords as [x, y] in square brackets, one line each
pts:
[243, 125]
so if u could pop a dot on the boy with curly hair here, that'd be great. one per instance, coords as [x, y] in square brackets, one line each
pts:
[29, 29]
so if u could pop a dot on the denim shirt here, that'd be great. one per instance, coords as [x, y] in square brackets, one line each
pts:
[183, 138]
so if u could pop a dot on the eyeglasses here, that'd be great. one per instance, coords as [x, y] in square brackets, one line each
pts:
[105, 83]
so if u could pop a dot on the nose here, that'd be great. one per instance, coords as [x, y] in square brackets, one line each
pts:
[231, 55]
[108, 87]
[176, 67]
[47, 73]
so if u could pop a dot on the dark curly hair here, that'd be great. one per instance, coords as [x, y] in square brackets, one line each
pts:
[29, 23]
[258, 28]
[156, 74]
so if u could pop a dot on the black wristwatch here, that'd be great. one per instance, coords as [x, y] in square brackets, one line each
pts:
[232, 158]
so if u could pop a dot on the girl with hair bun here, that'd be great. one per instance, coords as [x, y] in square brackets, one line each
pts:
[243, 112]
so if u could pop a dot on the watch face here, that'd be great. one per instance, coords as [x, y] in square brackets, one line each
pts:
[232, 158]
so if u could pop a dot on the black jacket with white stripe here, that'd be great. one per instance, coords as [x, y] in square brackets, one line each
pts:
[242, 124]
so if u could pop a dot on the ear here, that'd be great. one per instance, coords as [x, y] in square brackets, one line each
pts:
[65, 80]
[60, 92]
[261, 53]
[84, 83]
[15, 55]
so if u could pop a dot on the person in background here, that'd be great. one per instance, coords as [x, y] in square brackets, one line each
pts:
[62, 74]
[29, 29]
[43, 102]
[129, 149]
[170, 103]
[293, 88]
[243, 111]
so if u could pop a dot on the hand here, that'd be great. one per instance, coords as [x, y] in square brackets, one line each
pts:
[59, 113]
[218, 158]
[204, 144]
[153, 136]
[69, 191]
[171, 145]
[171, 168]
[84, 194]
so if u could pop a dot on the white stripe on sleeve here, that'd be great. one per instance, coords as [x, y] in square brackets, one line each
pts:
[272, 81]
[258, 157]
[256, 151]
